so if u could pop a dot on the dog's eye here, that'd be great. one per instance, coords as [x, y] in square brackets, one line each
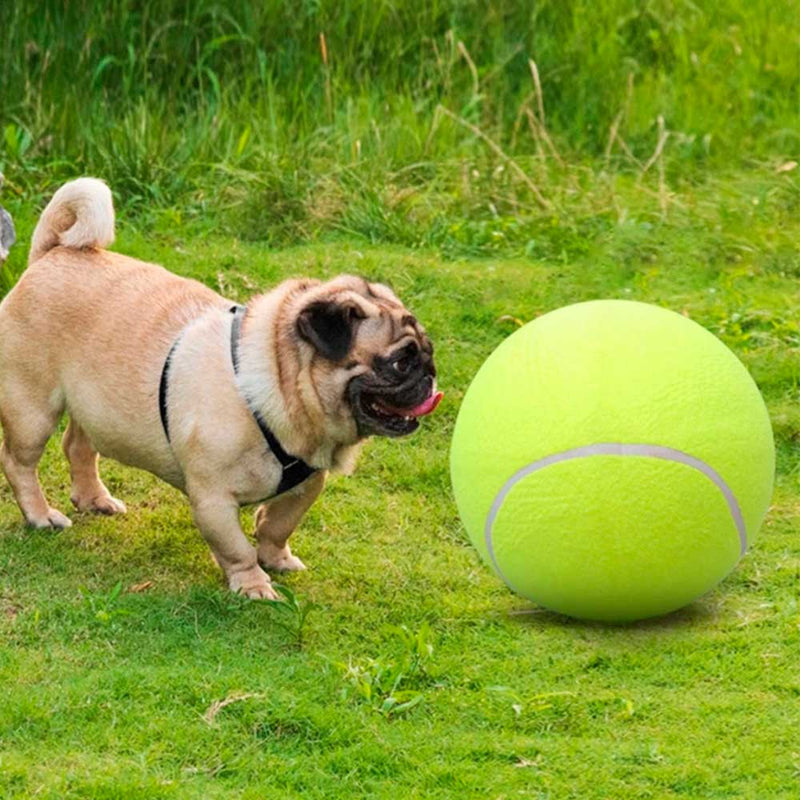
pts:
[405, 360]
[402, 365]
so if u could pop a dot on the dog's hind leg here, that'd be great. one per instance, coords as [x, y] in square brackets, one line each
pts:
[28, 422]
[88, 491]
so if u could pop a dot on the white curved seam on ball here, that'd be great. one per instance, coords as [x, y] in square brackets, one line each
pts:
[616, 449]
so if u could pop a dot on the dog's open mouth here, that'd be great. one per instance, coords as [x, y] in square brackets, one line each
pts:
[389, 419]
[379, 407]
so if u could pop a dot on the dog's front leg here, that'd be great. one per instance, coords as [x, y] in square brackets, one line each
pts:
[276, 521]
[217, 516]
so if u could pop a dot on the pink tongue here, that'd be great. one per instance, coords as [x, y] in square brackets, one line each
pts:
[425, 407]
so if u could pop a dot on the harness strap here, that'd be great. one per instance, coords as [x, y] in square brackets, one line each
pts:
[294, 470]
[162, 388]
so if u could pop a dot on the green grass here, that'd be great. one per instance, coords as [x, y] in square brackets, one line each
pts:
[234, 110]
[411, 149]
[418, 674]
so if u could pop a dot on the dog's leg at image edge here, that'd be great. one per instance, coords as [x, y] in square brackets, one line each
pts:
[25, 435]
[276, 521]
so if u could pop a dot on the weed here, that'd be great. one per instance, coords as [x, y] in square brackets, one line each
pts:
[528, 705]
[390, 685]
[104, 606]
[291, 613]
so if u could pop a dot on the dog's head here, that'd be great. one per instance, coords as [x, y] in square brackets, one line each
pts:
[370, 362]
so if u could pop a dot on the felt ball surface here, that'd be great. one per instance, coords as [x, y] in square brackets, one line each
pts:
[612, 460]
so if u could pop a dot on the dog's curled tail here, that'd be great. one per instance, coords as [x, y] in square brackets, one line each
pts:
[80, 215]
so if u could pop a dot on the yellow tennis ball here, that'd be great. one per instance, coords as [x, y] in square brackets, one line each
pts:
[612, 460]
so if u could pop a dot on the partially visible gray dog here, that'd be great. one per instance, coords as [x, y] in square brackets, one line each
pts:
[7, 233]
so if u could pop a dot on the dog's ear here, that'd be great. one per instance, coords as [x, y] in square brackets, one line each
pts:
[329, 327]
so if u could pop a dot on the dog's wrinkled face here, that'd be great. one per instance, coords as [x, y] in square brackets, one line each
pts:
[374, 360]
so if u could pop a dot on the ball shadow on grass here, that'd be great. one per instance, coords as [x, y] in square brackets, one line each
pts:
[700, 612]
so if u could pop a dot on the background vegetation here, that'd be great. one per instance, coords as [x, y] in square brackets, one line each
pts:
[410, 143]
[283, 121]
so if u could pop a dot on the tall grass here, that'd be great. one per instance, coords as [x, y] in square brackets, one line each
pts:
[390, 119]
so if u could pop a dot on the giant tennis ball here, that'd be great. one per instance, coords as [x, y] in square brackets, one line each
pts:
[612, 460]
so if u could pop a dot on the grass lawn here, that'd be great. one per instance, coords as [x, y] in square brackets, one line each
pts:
[492, 160]
[417, 674]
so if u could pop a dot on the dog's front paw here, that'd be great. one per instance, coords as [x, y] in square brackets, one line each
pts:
[277, 559]
[52, 519]
[101, 504]
[253, 583]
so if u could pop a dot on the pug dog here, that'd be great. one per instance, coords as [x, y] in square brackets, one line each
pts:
[231, 404]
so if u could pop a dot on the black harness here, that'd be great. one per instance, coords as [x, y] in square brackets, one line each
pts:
[294, 470]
